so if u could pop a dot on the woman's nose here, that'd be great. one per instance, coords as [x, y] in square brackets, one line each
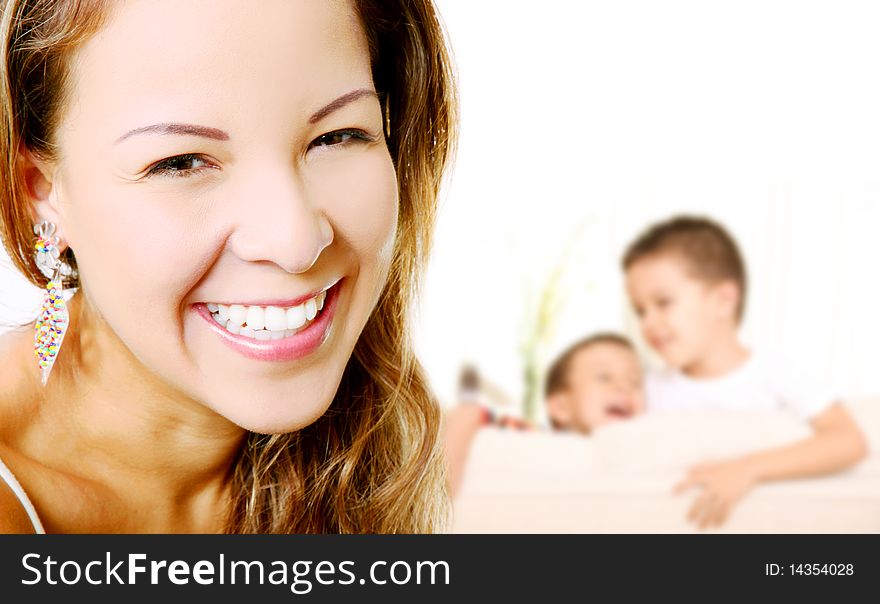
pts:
[279, 223]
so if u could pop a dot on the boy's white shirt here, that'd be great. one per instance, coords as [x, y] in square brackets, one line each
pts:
[764, 382]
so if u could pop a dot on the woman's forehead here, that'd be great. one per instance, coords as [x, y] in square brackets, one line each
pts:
[161, 57]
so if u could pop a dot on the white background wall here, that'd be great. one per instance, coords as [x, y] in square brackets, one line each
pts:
[589, 120]
[584, 121]
[19, 300]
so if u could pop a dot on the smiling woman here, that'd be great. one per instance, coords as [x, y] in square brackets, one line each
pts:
[242, 203]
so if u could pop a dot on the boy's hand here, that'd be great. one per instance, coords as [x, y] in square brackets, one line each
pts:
[836, 444]
[723, 483]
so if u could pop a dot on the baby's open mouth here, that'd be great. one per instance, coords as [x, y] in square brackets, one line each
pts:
[267, 322]
[619, 410]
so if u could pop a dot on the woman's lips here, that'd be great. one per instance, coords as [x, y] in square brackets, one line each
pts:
[289, 348]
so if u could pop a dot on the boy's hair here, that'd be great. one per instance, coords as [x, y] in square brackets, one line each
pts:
[557, 374]
[710, 250]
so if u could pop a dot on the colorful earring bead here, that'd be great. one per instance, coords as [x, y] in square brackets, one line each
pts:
[52, 323]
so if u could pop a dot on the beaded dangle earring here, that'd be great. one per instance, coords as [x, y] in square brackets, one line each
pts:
[54, 318]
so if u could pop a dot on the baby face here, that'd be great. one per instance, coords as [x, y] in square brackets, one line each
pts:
[227, 190]
[604, 385]
[679, 315]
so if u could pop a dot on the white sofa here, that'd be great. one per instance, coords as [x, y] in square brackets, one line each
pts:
[620, 479]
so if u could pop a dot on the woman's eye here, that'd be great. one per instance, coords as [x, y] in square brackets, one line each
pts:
[180, 166]
[341, 138]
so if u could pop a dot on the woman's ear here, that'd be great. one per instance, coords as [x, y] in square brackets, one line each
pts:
[37, 176]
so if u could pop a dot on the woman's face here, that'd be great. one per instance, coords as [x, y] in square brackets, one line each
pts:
[222, 152]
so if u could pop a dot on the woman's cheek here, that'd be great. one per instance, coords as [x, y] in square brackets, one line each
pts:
[137, 257]
[156, 248]
[360, 197]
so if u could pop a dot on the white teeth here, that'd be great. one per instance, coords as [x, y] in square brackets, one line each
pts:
[296, 317]
[311, 309]
[238, 314]
[256, 317]
[269, 323]
[275, 318]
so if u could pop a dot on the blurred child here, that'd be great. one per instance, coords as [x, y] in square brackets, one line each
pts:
[597, 381]
[687, 283]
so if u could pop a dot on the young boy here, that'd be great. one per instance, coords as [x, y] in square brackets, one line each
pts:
[687, 283]
[597, 381]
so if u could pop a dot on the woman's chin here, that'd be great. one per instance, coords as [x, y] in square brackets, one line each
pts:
[277, 421]
[271, 412]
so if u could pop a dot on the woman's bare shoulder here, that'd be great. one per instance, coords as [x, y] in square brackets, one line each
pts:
[16, 377]
[13, 402]
[14, 345]
[13, 517]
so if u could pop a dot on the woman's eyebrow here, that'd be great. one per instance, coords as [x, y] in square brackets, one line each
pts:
[175, 128]
[340, 102]
[220, 135]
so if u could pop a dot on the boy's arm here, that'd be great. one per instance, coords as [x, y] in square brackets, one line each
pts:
[836, 444]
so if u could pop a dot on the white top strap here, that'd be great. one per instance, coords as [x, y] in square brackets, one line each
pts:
[7, 477]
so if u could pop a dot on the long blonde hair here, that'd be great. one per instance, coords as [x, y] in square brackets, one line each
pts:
[373, 462]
